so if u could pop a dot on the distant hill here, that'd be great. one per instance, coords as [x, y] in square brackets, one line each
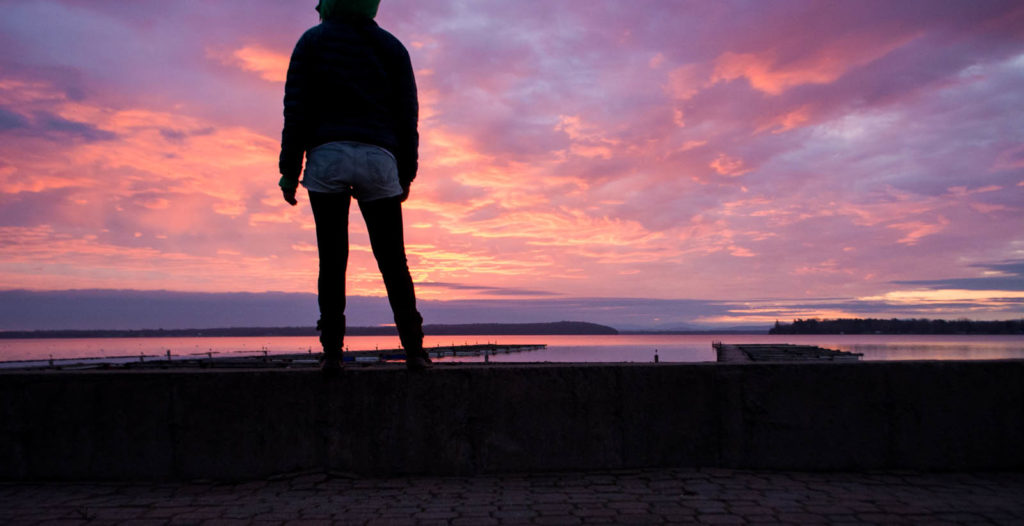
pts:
[896, 326]
[737, 329]
[561, 327]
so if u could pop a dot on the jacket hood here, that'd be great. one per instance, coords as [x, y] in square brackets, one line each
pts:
[332, 8]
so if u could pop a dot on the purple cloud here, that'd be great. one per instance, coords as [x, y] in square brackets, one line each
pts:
[667, 151]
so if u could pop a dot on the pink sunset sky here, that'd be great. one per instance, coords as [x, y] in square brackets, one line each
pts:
[778, 159]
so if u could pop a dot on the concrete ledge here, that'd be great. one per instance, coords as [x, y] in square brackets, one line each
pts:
[476, 418]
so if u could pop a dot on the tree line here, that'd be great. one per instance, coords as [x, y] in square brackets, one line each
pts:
[897, 326]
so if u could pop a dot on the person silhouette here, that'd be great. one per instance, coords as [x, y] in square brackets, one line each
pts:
[351, 107]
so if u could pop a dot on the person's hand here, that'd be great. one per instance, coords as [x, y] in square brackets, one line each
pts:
[405, 194]
[289, 196]
[288, 186]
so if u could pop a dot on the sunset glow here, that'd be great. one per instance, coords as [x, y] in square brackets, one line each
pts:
[774, 160]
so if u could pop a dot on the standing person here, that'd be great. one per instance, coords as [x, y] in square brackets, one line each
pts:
[350, 106]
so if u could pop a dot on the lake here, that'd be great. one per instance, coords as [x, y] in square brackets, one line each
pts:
[617, 348]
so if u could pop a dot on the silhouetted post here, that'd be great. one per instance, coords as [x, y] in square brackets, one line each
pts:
[655, 356]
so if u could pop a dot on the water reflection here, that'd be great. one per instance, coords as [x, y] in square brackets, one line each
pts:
[620, 348]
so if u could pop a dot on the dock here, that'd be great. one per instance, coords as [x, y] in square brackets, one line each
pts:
[480, 349]
[779, 352]
[260, 359]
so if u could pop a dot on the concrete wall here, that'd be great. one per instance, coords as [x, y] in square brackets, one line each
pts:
[478, 418]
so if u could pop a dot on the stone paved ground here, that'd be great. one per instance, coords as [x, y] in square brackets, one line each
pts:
[619, 497]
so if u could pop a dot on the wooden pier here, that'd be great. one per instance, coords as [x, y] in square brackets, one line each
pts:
[480, 349]
[259, 359]
[779, 352]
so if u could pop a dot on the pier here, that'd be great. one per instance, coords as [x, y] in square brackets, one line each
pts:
[779, 352]
[479, 349]
[264, 359]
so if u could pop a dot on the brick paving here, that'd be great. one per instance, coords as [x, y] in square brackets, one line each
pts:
[694, 496]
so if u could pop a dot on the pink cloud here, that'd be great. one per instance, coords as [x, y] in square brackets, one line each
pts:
[823, 64]
[270, 65]
[730, 166]
[648, 149]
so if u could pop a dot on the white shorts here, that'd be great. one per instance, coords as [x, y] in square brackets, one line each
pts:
[366, 171]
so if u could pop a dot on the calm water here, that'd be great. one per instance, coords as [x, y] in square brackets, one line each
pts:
[620, 348]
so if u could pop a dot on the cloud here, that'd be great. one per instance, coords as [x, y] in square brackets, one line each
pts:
[10, 120]
[138, 309]
[1004, 276]
[135, 309]
[53, 127]
[56, 125]
[485, 290]
[766, 72]
[725, 165]
[270, 65]
[604, 149]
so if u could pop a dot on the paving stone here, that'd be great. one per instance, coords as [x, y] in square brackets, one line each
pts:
[749, 509]
[381, 521]
[681, 519]
[801, 518]
[144, 522]
[593, 511]
[599, 520]
[515, 513]
[474, 521]
[307, 522]
[877, 518]
[433, 522]
[720, 518]
[106, 513]
[557, 520]
[552, 508]
[617, 497]
[431, 515]
[226, 522]
[709, 506]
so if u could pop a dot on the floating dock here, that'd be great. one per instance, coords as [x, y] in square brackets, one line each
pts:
[261, 359]
[779, 352]
[480, 349]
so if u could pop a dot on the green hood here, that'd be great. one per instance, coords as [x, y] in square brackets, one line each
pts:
[330, 8]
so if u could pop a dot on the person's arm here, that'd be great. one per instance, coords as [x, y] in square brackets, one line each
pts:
[293, 136]
[407, 120]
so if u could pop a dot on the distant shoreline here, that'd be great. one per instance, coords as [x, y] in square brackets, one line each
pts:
[568, 328]
[696, 332]
[917, 327]
[473, 329]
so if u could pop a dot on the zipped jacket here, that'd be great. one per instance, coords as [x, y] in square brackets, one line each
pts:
[350, 80]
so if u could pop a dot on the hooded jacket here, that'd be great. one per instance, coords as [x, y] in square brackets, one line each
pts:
[350, 80]
[332, 8]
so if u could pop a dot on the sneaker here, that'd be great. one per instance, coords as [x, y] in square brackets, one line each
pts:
[418, 361]
[330, 364]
